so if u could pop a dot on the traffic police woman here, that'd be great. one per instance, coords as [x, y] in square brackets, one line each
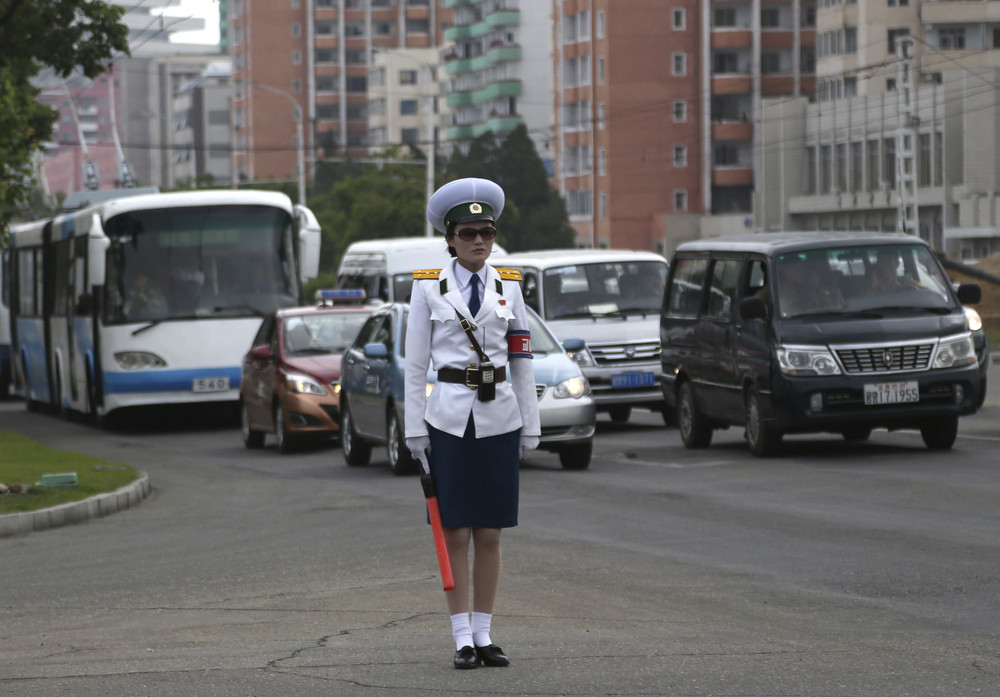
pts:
[468, 322]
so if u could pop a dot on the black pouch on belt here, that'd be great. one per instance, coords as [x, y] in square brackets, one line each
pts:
[487, 390]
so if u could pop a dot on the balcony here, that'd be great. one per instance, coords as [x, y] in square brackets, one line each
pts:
[740, 130]
[731, 38]
[959, 12]
[732, 176]
[731, 83]
[777, 38]
[497, 124]
[493, 56]
[497, 20]
[777, 84]
[496, 90]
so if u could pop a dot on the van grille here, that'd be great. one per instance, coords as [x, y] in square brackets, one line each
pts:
[632, 352]
[885, 359]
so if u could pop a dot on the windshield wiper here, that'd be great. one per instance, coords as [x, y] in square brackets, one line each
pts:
[915, 308]
[144, 327]
[575, 315]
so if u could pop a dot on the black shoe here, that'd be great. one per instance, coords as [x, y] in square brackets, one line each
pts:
[492, 656]
[465, 658]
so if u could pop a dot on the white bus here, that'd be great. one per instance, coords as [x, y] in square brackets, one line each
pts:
[4, 332]
[151, 299]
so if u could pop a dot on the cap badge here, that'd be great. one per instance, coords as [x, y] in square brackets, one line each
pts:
[475, 208]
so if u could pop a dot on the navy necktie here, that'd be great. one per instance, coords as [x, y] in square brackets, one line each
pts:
[474, 300]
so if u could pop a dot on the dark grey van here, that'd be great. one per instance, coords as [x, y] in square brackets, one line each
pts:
[816, 332]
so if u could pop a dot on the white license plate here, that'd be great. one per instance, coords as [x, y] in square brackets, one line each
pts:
[210, 384]
[892, 393]
[620, 380]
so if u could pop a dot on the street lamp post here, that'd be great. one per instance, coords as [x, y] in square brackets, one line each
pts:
[299, 142]
[431, 118]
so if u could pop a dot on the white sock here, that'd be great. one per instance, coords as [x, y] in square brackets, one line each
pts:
[461, 630]
[481, 628]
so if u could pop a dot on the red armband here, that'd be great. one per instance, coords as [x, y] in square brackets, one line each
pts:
[518, 343]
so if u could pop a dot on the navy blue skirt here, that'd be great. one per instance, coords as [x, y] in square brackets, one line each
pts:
[477, 479]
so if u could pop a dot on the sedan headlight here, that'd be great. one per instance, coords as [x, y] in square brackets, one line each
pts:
[807, 360]
[955, 352]
[573, 388]
[139, 360]
[303, 384]
[975, 321]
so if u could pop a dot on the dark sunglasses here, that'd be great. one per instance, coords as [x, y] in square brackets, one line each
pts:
[468, 233]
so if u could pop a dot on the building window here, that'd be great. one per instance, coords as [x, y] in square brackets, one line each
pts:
[898, 3]
[603, 204]
[680, 201]
[770, 63]
[889, 162]
[680, 110]
[857, 166]
[841, 167]
[825, 163]
[296, 86]
[602, 162]
[599, 29]
[296, 57]
[600, 70]
[409, 136]
[874, 180]
[724, 17]
[811, 170]
[600, 116]
[924, 162]
[679, 19]
[680, 156]
[725, 62]
[407, 77]
[951, 39]
[296, 30]
[408, 107]
[678, 66]
[770, 17]
[894, 34]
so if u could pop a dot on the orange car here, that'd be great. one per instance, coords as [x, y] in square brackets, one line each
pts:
[291, 375]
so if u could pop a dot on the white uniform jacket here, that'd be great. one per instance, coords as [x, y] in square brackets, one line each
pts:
[435, 338]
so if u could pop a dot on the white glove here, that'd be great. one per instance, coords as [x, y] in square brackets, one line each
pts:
[525, 446]
[419, 447]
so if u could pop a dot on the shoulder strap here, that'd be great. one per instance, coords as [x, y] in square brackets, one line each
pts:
[509, 274]
[426, 273]
[467, 327]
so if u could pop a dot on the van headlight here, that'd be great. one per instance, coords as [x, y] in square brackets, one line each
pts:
[955, 352]
[573, 388]
[807, 360]
[303, 384]
[975, 321]
[583, 357]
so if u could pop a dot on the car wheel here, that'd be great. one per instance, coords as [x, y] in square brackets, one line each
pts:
[252, 438]
[762, 439]
[395, 442]
[857, 434]
[620, 414]
[940, 434]
[286, 443]
[577, 456]
[695, 430]
[357, 452]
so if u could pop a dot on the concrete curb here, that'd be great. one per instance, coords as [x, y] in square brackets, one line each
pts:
[77, 511]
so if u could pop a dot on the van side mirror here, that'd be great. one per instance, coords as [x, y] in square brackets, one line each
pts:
[574, 344]
[262, 352]
[970, 293]
[376, 351]
[753, 308]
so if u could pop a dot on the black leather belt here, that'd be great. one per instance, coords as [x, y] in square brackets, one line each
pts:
[473, 377]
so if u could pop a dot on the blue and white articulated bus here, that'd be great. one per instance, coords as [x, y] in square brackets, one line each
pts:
[151, 299]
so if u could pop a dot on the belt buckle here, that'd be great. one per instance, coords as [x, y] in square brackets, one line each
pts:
[468, 378]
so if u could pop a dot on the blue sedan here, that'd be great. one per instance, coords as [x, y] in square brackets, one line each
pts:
[371, 400]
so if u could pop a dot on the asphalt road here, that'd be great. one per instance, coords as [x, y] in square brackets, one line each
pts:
[835, 570]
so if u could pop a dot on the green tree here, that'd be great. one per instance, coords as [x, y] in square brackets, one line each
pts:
[65, 35]
[534, 214]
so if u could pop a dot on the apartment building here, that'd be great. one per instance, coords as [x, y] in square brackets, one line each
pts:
[497, 71]
[201, 130]
[309, 60]
[656, 105]
[837, 163]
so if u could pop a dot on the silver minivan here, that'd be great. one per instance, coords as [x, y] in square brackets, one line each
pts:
[611, 299]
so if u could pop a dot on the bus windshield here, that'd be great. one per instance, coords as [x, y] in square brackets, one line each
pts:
[203, 261]
[607, 288]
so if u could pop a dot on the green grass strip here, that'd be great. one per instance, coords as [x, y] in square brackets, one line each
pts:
[24, 461]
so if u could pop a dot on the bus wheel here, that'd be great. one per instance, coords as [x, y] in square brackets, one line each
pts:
[252, 438]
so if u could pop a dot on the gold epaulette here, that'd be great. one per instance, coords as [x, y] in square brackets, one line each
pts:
[509, 274]
[426, 273]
